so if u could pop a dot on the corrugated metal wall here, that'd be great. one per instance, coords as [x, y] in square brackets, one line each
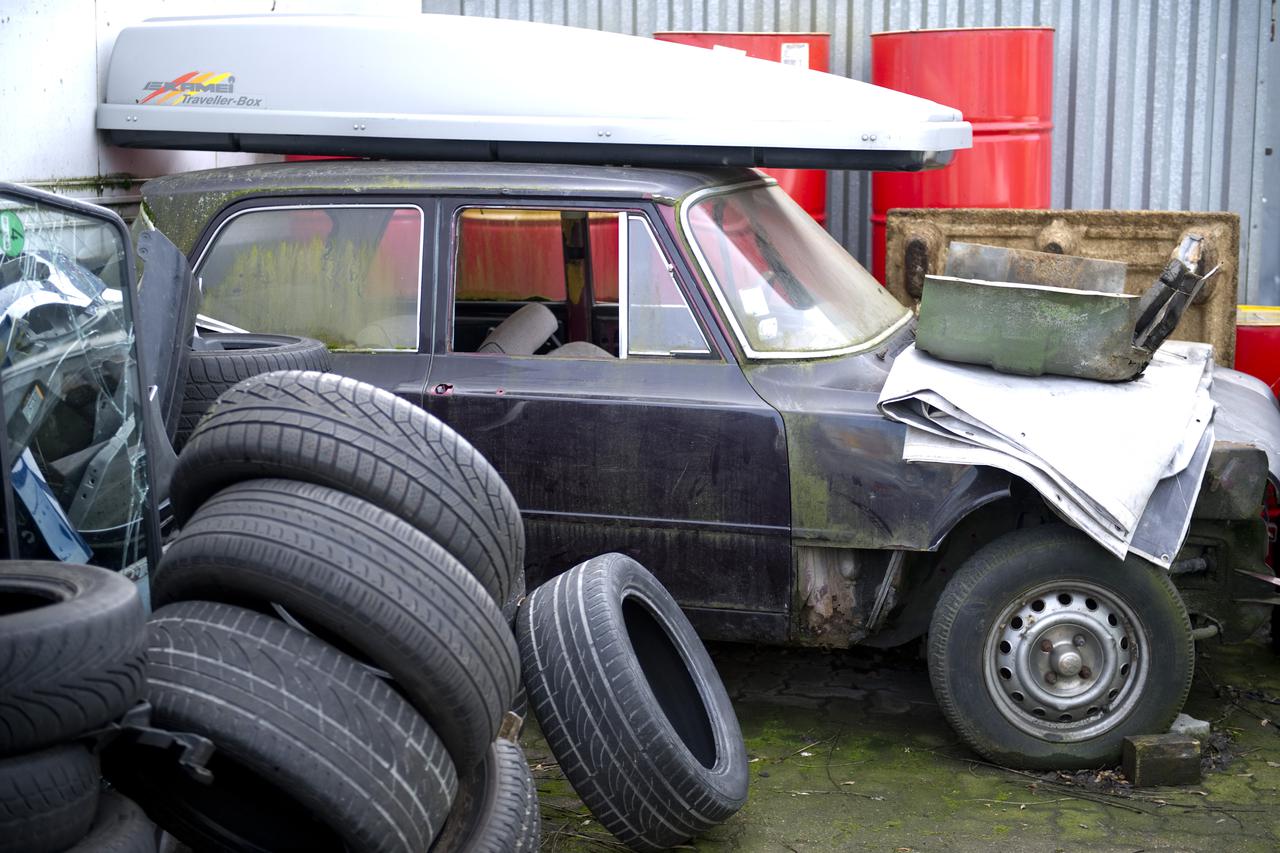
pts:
[1158, 103]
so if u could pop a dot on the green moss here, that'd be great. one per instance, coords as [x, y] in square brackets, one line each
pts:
[95, 184]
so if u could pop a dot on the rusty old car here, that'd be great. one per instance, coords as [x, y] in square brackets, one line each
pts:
[683, 366]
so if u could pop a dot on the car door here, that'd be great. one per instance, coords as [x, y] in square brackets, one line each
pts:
[348, 273]
[629, 429]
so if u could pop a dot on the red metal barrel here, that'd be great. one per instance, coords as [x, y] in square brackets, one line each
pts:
[804, 50]
[1001, 78]
[1258, 343]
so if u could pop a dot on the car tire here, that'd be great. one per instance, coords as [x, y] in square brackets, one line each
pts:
[47, 799]
[313, 751]
[365, 581]
[496, 810]
[71, 651]
[120, 826]
[351, 436]
[1045, 652]
[631, 704]
[222, 360]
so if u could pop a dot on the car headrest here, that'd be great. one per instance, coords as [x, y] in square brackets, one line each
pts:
[523, 332]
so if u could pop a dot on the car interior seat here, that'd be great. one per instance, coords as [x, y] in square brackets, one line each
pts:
[580, 349]
[523, 332]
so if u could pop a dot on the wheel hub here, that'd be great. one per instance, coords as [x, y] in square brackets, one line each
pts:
[1066, 663]
[1063, 661]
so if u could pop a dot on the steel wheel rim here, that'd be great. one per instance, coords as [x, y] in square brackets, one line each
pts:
[1065, 661]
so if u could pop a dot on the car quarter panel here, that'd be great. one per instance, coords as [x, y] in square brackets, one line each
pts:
[850, 487]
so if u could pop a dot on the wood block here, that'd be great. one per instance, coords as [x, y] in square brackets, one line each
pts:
[1168, 759]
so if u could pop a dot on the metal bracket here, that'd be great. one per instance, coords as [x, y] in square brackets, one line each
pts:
[118, 741]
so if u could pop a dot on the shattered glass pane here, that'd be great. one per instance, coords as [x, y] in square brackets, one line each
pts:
[69, 379]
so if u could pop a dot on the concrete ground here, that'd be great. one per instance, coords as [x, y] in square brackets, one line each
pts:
[849, 752]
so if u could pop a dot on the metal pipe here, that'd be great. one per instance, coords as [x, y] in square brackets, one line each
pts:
[1204, 633]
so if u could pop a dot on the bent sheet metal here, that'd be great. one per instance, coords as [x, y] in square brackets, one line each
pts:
[1121, 462]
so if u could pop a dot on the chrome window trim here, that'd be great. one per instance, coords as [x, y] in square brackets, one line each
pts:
[422, 240]
[624, 292]
[730, 317]
[624, 259]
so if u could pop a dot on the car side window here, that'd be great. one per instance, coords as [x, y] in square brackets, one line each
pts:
[349, 276]
[659, 321]
[540, 281]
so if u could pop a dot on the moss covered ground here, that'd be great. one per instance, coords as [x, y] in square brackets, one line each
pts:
[849, 752]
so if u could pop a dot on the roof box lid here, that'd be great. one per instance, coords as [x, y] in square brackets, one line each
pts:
[454, 87]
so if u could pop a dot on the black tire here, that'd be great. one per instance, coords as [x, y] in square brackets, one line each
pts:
[354, 437]
[225, 359]
[630, 704]
[496, 810]
[120, 826]
[313, 751]
[71, 651]
[363, 580]
[47, 799]
[1019, 632]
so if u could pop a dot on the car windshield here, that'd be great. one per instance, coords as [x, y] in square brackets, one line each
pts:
[789, 287]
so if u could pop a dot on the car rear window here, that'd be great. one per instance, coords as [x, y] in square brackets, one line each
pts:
[346, 275]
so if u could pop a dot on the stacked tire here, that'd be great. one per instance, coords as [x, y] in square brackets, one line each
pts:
[71, 664]
[217, 361]
[331, 616]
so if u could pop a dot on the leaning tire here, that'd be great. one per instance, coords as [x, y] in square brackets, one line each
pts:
[47, 799]
[496, 810]
[71, 651]
[225, 359]
[365, 580]
[1046, 652]
[119, 827]
[630, 704]
[351, 436]
[313, 751]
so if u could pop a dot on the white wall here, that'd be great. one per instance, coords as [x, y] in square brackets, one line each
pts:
[53, 63]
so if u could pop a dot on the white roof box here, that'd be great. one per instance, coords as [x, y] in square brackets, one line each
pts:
[460, 88]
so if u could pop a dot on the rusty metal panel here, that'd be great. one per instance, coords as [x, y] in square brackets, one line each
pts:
[1142, 239]
[1030, 330]
[1022, 266]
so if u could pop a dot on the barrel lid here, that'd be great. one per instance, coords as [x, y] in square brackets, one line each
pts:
[1257, 315]
[957, 30]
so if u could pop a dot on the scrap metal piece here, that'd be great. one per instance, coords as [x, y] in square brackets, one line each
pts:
[1029, 329]
[1032, 313]
[1023, 266]
[1172, 293]
[1139, 238]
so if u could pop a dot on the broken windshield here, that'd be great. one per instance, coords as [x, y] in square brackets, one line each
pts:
[789, 288]
[69, 379]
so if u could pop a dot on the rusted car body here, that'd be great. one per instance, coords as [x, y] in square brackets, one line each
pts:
[682, 366]
[762, 487]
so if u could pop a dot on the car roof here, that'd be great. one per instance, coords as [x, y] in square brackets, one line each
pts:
[180, 205]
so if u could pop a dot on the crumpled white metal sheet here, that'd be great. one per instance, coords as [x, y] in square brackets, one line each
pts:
[1121, 461]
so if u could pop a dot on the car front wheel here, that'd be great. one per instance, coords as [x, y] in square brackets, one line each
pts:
[1046, 652]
